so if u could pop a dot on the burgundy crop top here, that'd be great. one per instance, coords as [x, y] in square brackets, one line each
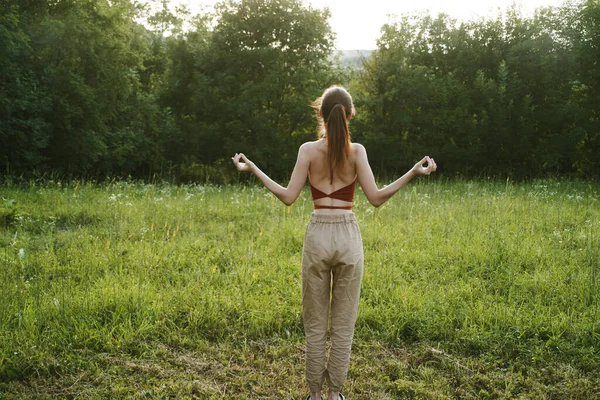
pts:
[345, 194]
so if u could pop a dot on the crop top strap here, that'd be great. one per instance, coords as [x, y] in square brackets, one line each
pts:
[344, 194]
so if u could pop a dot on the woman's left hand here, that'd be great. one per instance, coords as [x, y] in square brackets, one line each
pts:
[247, 165]
[420, 168]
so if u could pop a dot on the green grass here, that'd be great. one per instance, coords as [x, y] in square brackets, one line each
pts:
[472, 289]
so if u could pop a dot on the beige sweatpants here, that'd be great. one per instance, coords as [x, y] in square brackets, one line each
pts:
[332, 268]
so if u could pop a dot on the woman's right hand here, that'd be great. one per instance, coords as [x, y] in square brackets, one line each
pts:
[420, 169]
[247, 165]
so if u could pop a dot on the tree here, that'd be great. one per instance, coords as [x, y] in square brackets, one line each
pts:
[246, 86]
[23, 131]
[508, 95]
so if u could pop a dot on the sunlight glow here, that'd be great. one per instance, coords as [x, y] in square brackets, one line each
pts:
[357, 23]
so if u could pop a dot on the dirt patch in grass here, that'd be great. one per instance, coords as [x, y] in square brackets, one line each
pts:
[275, 369]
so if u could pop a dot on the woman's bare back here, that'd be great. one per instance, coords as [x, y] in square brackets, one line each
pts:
[319, 173]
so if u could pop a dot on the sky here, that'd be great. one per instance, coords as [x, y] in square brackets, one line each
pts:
[357, 23]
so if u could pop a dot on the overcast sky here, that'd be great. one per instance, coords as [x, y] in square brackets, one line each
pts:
[357, 23]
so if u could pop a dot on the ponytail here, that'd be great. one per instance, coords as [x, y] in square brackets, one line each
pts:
[333, 110]
[338, 139]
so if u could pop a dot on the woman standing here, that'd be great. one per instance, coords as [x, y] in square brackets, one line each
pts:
[332, 257]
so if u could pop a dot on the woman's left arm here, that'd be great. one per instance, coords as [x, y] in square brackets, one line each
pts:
[286, 195]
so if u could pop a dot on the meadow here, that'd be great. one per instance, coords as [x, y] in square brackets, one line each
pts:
[472, 289]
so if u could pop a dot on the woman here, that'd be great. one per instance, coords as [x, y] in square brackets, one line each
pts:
[332, 257]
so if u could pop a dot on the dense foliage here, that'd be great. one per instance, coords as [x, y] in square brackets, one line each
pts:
[98, 87]
[510, 95]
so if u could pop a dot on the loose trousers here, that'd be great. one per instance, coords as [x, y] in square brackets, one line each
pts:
[332, 268]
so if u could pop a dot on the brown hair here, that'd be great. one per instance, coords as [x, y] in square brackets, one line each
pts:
[336, 108]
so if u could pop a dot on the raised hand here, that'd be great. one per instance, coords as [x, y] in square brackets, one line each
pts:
[421, 169]
[247, 165]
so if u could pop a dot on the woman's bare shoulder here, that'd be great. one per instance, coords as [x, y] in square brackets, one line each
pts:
[357, 148]
[312, 146]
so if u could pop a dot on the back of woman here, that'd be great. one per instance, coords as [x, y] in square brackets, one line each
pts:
[332, 256]
[332, 166]
[319, 175]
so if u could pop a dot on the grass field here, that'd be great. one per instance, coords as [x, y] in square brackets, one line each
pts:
[472, 289]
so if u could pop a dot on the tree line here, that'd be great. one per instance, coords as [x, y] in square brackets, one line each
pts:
[118, 87]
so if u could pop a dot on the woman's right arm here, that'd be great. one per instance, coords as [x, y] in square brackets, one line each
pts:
[366, 179]
[287, 194]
